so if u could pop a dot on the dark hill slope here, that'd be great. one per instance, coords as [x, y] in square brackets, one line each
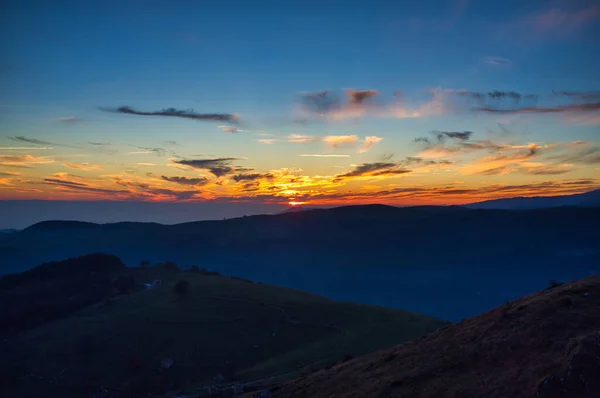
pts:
[588, 199]
[546, 344]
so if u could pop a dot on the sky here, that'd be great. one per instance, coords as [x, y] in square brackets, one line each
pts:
[289, 103]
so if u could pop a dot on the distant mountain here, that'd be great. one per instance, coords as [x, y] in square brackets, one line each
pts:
[588, 199]
[543, 345]
[469, 260]
[297, 209]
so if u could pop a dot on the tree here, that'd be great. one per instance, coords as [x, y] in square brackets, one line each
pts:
[124, 284]
[144, 264]
[170, 266]
[194, 269]
[182, 288]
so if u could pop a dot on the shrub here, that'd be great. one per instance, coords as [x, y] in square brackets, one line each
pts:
[124, 284]
[170, 266]
[144, 264]
[182, 288]
[553, 284]
[194, 269]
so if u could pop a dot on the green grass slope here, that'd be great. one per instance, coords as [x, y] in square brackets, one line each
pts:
[242, 330]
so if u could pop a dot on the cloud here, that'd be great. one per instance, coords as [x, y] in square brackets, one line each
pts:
[446, 143]
[373, 170]
[82, 166]
[69, 119]
[24, 161]
[146, 164]
[218, 166]
[336, 141]
[98, 143]
[267, 141]
[368, 143]
[560, 21]
[82, 187]
[228, 129]
[585, 154]
[142, 190]
[186, 180]
[299, 138]
[253, 177]
[147, 150]
[172, 112]
[24, 148]
[497, 61]
[324, 156]
[35, 141]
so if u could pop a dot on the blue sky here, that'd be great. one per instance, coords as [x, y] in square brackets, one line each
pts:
[64, 61]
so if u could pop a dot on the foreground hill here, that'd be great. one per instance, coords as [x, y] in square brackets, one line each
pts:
[588, 199]
[543, 345]
[151, 341]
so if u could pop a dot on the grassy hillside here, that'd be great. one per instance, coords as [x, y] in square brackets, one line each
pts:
[226, 326]
[545, 345]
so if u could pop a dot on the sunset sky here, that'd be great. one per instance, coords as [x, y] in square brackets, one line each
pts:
[314, 102]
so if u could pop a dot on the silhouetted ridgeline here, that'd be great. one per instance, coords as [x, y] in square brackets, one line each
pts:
[55, 289]
[474, 259]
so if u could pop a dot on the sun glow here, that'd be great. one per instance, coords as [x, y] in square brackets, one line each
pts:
[293, 204]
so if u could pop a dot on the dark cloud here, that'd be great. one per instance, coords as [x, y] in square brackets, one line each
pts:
[459, 141]
[458, 135]
[186, 180]
[581, 96]
[148, 190]
[35, 141]
[357, 97]
[496, 101]
[320, 102]
[172, 112]
[253, 177]
[496, 96]
[98, 143]
[81, 186]
[555, 109]
[218, 166]
[373, 170]
[157, 151]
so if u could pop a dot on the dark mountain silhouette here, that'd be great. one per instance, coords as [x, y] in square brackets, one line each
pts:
[543, 345]
[398, 257]
[588, 199]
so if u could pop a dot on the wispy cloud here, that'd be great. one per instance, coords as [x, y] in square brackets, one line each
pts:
[368, 143]
[69, 119]
[267, 141]
[147, 151]
[35, 141]
[23, 160]
[25, 148]
[187, 181]
[324, 156]
[497, 61]
[375, 169]
[337, 141]
[83, 166]
[218, 166]
[172, 112]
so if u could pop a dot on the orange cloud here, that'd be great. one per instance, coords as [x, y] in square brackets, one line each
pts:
[83, 166]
